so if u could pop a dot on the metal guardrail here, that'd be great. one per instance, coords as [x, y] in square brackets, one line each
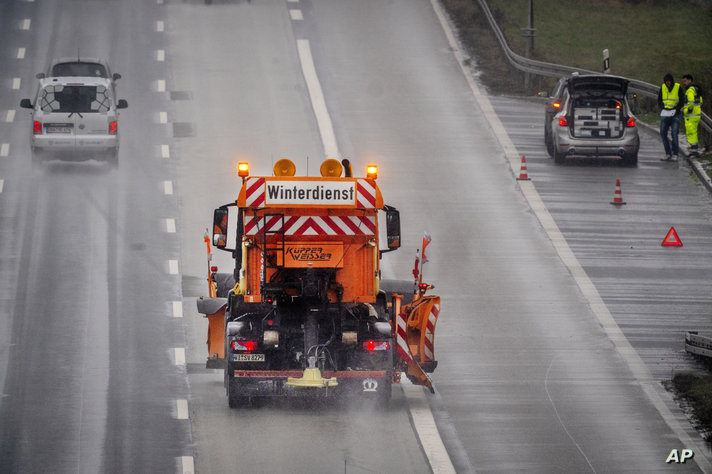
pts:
[556, 70]
[698, 345]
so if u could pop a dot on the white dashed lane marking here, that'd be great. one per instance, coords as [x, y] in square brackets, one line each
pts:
[177, 309]
[21, 53]
[168, 188]
[16, 81]
[179, 355]
[10, 117]
[4, 149]
[171, 226]
[296, 14]
[165, 151]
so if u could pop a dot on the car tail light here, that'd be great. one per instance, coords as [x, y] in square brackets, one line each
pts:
[563, 122]
[630, 122]
[244, 345]
[37, 128]
[113, 128]
[556, 105]
[370, 346]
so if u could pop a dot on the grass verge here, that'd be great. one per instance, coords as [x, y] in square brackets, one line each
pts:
[696, 392]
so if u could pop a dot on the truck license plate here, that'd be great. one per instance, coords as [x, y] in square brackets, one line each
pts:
[248, 357]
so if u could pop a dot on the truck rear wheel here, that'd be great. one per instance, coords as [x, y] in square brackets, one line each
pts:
[234, 399]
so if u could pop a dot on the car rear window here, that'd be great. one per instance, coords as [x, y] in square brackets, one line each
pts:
[75, 98]
[79, 69]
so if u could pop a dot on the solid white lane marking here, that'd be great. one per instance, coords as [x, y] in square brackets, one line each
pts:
[187, 465]
[165, 151]
[426, 429]
[26, 24]
[326, 129]
[651, 387]
[21, 53]
[173, 267]
[168, 188]
[160, 55]
[171, 226]
[16, 81]
[161, 85]
[10, 117]
[4, 149]
[177, 309]
[179, 355]
[182, 409]
[296, 14]
[160, 26]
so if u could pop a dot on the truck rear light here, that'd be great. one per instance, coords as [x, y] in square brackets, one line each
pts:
[113, 128]
[563, 122]
[370, 346]
[37, 128]
[244, 345]
[630, 122]
[556, 105]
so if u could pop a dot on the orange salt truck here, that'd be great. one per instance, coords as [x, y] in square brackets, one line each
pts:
[304, 312]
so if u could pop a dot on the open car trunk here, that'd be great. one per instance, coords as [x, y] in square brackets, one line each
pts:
[597, 107]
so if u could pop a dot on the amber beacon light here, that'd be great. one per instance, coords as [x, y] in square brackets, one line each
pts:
[372, 171]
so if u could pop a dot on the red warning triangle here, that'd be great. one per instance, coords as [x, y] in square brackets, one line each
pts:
[671, 239]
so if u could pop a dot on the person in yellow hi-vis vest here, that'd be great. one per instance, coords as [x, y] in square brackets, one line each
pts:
[692, 110]
[670, 100]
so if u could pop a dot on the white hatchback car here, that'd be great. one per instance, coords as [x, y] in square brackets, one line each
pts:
[75, 118]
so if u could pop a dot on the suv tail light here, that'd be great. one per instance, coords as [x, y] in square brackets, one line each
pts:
[563, 122]
[370, 346]
[630, 122]
[113, 128]
[37, 128]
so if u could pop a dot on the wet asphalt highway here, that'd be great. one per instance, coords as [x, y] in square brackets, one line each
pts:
[101, 348]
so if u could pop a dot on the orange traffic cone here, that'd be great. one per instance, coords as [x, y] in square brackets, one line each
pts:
[617, 196]
[523, 176]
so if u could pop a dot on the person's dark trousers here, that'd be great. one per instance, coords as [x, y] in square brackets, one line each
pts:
[673, 125]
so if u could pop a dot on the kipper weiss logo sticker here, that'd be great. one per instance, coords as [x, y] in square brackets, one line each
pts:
[309, 254]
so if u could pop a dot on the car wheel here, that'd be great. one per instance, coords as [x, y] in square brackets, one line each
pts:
[630, 160]
[558, 157]
[549, 145]
[113, 159]
[37, 157]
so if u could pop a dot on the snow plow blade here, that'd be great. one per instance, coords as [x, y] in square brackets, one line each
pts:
[415, 332]
[214, 310]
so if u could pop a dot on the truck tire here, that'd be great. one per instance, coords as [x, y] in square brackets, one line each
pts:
[384, 396]
[235, 400]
